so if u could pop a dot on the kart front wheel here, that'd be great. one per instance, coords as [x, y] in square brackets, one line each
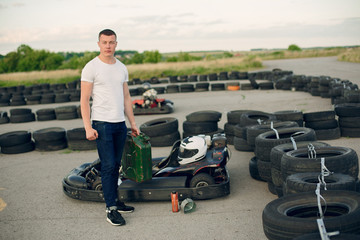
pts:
[202, 180]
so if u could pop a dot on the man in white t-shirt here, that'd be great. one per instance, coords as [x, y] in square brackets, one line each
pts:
[105, 78]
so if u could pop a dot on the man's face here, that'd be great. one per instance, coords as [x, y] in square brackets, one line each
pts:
[107, 45]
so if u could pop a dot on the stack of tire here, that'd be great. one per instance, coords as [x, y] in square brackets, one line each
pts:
[76, 140]
[266, 141]
[187, 88]
[275, 159]
[50, 139]
[217, 86]
[324, 123]
[233, 118]
[202, 122]
[294, 216]
[66, 112]
[162, 131]
[248, 119]
[46, 114]
[16, 142]
[202, 87]
[21, 115]
[349, 119]
[172, 89]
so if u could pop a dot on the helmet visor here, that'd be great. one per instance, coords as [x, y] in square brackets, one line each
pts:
[186, 153]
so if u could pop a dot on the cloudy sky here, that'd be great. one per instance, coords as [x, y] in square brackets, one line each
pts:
[185, 25]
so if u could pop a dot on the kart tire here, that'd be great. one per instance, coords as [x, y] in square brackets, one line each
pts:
[264, 169]
[290, 115]
[267, 140]
[51, 145]
[204, 116]
[294, 215]
[76, 134]
[81, 145]
[201, 180]
[307, 182]
[350, 132]
[165, 140]
[14, 138]
[337, 159]
[349, 122]
[322, 124]
[22, 118]
[160, 127]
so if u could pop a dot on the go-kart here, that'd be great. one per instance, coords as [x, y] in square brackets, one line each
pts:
[203, 179]
[156, 106]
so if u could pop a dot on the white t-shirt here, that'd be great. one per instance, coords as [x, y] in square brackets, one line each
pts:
[107, 94]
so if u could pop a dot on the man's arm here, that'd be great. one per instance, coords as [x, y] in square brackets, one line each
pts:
[129, 111]
[86, 89]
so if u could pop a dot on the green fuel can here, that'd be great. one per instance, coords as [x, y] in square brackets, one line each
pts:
[136, 161]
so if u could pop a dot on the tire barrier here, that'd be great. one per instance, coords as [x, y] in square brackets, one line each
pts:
[21, 115]
[162, 131]
[294, 215]
[50, 139]
[233, 118]
[349, 119]
[76, 140]
[324, 123]
[16, 142]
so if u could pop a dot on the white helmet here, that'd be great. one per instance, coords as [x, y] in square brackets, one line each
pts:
[192, 149]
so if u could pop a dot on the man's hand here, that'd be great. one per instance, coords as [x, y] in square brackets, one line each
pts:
[91, 134]
[135, 131]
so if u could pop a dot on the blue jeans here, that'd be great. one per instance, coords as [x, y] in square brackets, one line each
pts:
[110, 145]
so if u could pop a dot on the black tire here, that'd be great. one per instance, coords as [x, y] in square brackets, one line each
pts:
[45, 111]
[266, 141]
[241, 144]
[201, 180]
[46, 117]
[264, 169]
[82, 145]
[233, 117]
[323, 124]
[290, 115]
[21, 148]
[239, 131]
[160, 127]
[22, 118]
[294, 215]
[328, 134]
[319, 116]
[204, 116]
[199, 127]
[350, 132]
[76, 134]
[253, 118]
[253, 169]
[49, 134]
[20, 111]
[255, 130]
[347, 109]
[165, 140]
[340, 236]
[54, 145]
[278, 151]
[187, 134]
[337, 159]
[307, 182]
[14, 138]
[349, 122]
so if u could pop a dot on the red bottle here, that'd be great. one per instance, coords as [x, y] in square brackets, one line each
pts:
[175, 201]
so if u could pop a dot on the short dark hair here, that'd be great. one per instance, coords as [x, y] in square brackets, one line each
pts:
[107, 32]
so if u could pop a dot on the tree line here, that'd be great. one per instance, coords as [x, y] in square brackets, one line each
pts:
[26, 59]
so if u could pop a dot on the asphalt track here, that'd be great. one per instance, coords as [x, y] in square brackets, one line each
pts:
[33, 206]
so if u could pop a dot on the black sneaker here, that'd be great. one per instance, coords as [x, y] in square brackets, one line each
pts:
[115, 218]
[122, 208]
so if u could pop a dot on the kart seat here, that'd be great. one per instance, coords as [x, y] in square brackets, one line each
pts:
[171, 160]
